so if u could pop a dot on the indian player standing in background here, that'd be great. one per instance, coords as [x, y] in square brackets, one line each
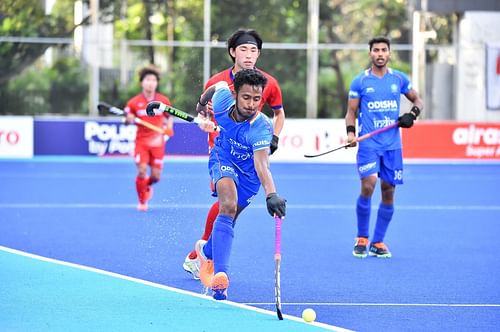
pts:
[244, 48]
[149, 145]
[374, 97]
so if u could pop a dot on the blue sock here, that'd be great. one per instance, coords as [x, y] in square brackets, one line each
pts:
[363, 209]
[207, 248]
[384, 216]
[222, 240]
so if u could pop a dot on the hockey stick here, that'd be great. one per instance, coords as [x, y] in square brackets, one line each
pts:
[104, 107]
[150, 110]
[277, 261]
[358, 139]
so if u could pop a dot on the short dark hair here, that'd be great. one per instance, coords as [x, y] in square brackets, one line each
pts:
[380, 39]
[231, 41]
[149, 70]
[251, 77]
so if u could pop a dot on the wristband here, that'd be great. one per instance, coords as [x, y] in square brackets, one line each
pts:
[351, 129]
[415, 110]
[199, 102]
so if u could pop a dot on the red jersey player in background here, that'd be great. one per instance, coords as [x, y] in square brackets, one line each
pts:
[149, 145]
[244, 48]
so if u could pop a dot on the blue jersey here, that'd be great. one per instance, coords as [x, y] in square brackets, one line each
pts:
[379, 104]
[239, 140]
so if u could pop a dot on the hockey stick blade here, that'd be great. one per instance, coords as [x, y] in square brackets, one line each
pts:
[327, 152]
[152, 106]
[359, 139]
[105, 107]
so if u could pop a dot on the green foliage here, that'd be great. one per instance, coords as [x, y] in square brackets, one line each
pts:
[277, 21]
[26, 18]
[68, 87]
[61, 89]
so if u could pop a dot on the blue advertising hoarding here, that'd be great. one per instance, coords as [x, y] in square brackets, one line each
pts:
[108, 138]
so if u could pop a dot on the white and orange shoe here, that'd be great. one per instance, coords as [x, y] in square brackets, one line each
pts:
[148, 194]
[142, 207]
[220, 284]
[206, 265]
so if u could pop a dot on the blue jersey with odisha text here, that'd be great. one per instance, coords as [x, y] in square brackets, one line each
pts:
[239, 140]
[379, 104]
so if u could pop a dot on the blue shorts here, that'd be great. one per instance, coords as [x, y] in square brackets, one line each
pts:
[247, 184]
[388, 165]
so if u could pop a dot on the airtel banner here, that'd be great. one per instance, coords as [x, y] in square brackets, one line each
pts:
[16, 137]
[452, 140]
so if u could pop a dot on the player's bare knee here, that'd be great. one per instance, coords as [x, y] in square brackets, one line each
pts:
[227, 208]
[387, 191]
[367, 189]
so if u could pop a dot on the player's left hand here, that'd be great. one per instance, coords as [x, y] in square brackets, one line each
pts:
[276, 205]
[169, 132]
[406, 120]
[206, 125]
[274, 144]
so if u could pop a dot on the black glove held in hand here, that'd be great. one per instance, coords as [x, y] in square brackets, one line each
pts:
[276, 205]
[274, 143]
[406, 120]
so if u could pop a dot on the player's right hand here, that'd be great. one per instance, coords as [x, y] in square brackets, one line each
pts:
[351, 138]
[276, 205]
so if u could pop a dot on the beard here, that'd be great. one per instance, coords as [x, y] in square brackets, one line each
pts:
[378, 64]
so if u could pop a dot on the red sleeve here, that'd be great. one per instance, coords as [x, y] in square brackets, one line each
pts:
[274, 98]
[219, 77]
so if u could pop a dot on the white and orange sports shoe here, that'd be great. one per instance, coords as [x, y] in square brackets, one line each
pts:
[191, 266]
[148, 194]
[206, 265]
[142, 207]
[220, 283]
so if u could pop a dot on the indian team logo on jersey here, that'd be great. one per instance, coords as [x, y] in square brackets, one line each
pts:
[382, 105]
[394, 88]
[381, 123]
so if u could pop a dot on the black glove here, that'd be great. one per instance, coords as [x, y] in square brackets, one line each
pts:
[276, 205]
[406, 120]
[274, 143]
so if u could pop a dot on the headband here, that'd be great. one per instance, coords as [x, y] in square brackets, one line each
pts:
[245, 38]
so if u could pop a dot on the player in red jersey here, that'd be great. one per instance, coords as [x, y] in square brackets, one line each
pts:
[149, 145]
[244, 48]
